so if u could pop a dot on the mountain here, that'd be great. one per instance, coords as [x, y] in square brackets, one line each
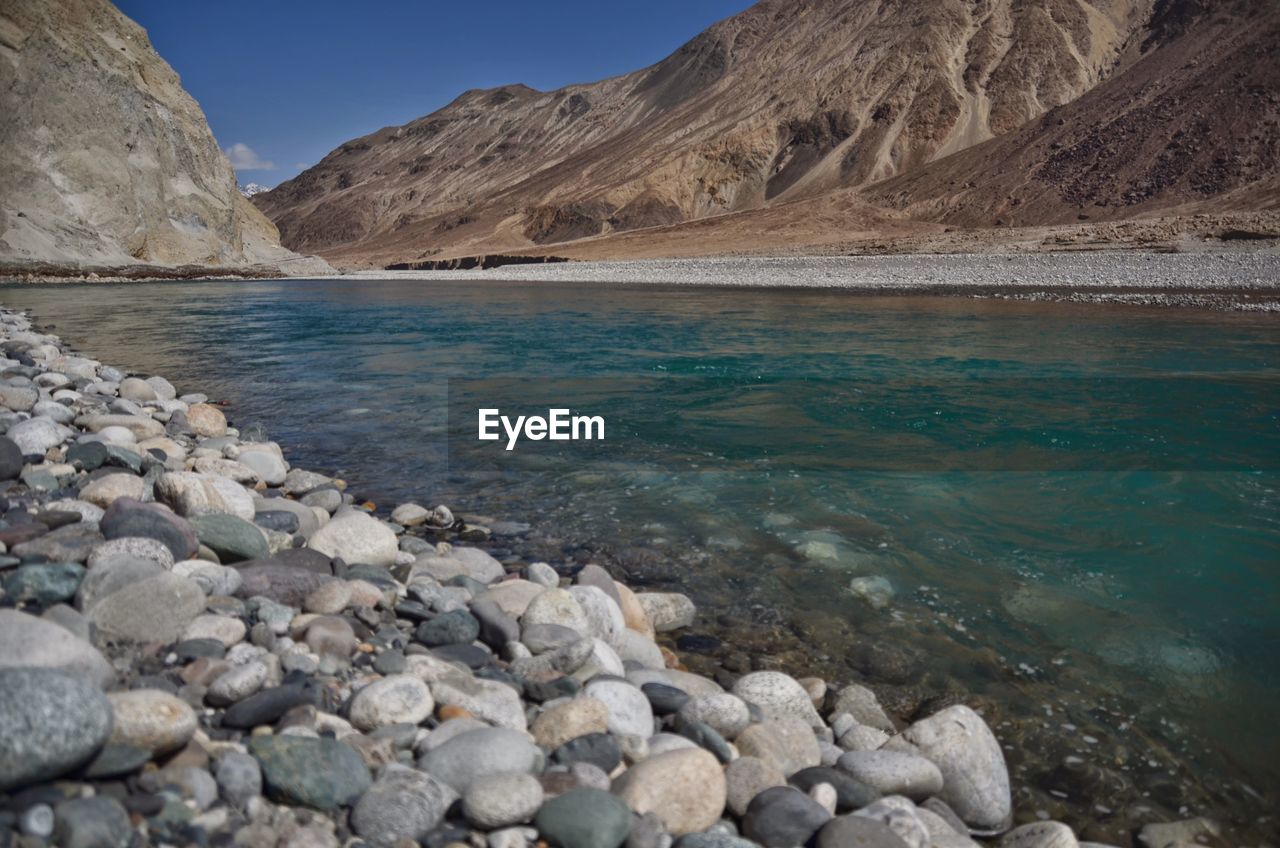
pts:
[106, 163]
[251, 189]
[825, 119]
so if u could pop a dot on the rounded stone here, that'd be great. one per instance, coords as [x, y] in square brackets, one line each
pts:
[320, 773]
[478, 753]
[599, 749]
[157, 609]
[778, 695]
[584, 818]
[667, 610]
[747, 777]
[329, 599]
[51, 722]
[34, 642]
[400, 807]
[557, 606]
[399, 699]
[629, 710]
[725, 713]
[221, 628]
[501, 800]
[133, 547]
[789, 744]
[151, 719]
[237, 683]
[967, 753]
[357, 538]
[232, 538]
[685, 789]
[457, 627]
[893, 773]
[783, 817]
[97, 822]
[239, 778]
[569, 720]
[206, 420]
[859, 831]
[107, 490]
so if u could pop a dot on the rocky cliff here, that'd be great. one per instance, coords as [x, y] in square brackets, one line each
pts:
[106, 162]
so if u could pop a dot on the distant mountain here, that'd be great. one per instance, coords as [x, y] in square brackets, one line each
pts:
[250, 189]
[105, 161]
[803, 121]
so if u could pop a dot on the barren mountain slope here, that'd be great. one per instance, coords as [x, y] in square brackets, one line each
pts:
[105, 161]
[1192, 126]
[783, 102]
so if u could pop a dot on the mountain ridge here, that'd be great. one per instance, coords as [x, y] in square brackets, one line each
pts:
[788, 101]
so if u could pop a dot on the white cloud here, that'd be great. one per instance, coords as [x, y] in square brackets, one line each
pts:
[302, 165]
[243, 158]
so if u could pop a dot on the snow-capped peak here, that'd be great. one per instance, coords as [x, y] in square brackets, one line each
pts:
[250, 189]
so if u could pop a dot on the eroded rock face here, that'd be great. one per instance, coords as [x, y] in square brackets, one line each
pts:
[105, 160]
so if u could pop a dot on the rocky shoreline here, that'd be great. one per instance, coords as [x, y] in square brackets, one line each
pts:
[200, 645]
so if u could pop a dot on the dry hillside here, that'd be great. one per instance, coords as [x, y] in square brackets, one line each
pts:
[826, 119]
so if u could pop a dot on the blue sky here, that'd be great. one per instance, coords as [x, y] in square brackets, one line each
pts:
[283, 82]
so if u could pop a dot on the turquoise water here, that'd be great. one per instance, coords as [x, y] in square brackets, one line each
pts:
[1075, 506]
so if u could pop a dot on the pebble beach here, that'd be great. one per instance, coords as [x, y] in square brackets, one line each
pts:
[203, 645]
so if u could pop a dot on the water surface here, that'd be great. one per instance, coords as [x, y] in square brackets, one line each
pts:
[1105, 586]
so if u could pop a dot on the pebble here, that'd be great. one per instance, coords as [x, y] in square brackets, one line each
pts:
[402, 805]
[788, 745]
[493, 701]
[97, 822]
[399, 699]
[863, 832]
[156, 609]
[501, 800]
[206, 420]
[320, 773]
[778, 695]
[685, 789]
[599, 749]
[151, 719]
[29, 641]
[894, 773]
[584, 818]
[220, 628]
[629, 710]
[557, 606]
[1048, 834]
[232, 538]
[566, 721]
[725, 713]
[783, 817]
[239, 778]
[966, 752]
[51, 721]
[132, 547]
[478, 753]
[899, 814]
[356, 537]
[127, 517]
[107, 490]
[851, 794]
[457, 627]
[266, 707]
[328, 598]
[667, 611]
[747, 777]
[237, 683]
